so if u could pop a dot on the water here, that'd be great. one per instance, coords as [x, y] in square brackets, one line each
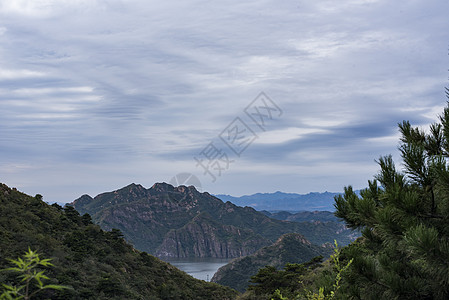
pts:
[200, 268]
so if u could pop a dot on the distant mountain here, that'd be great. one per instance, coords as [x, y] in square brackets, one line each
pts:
[285, 201]
[181, 222]
[303, 216]
[95, 263]
[321, 219]
[289, 248]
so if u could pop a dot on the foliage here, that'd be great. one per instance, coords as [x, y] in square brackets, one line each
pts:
[97, 264]
[404, 218]
[27, 267]
[340, 269]
[313, 280]
[271, 283]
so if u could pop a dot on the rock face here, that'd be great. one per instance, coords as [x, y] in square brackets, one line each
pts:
[180, 222]
[203, 237]
[289, 248]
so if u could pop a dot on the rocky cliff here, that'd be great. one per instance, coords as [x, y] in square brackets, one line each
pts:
[204, 237]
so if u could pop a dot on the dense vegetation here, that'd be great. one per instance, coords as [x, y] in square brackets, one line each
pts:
[170, 221]
[289, 248]
[95, 263]
[270, 281]
[313, 280]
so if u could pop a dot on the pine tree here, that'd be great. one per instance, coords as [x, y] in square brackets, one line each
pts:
[404, 217]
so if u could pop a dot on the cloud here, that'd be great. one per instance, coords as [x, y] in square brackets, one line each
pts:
[105, 86]
[288, 134]
[18, 74]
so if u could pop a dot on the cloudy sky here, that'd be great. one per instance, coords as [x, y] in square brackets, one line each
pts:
[95, 95]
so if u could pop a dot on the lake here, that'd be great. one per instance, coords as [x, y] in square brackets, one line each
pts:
[200, 268]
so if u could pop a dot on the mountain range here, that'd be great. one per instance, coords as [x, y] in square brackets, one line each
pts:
[180, 222]
[279, 201]
[302, 216]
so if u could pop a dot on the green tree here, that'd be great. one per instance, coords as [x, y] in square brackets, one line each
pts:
[271, 283]
[404, 217]
[32, 280]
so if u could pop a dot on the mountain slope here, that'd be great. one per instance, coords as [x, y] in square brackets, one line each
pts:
[289, 248]
[182, 222]
[97, 264]
[204, 237]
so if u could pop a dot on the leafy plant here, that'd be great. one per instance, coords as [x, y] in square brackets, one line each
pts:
[340, 269]
[32, 280]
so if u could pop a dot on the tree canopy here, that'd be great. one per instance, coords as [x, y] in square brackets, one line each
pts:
[404, 218]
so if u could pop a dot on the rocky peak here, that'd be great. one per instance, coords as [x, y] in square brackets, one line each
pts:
[83, 200]
[128, 193]
[131, 188]
[186, 189]
[292, 237]
[161, 187]
[4, 188]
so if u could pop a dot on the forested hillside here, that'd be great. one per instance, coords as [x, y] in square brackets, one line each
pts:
[289, 248]
[95, 263]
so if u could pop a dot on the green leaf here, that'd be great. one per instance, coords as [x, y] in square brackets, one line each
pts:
[56, 287]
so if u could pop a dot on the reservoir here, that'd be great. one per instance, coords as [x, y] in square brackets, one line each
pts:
[200, 268]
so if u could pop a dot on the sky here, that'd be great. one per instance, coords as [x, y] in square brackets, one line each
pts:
[242, 96]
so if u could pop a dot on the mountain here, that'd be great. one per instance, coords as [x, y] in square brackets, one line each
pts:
[328, 223]
[95, 263]
[181, 222]
[205, 237]
[302, 216]
[289, 248]
[285, 201]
